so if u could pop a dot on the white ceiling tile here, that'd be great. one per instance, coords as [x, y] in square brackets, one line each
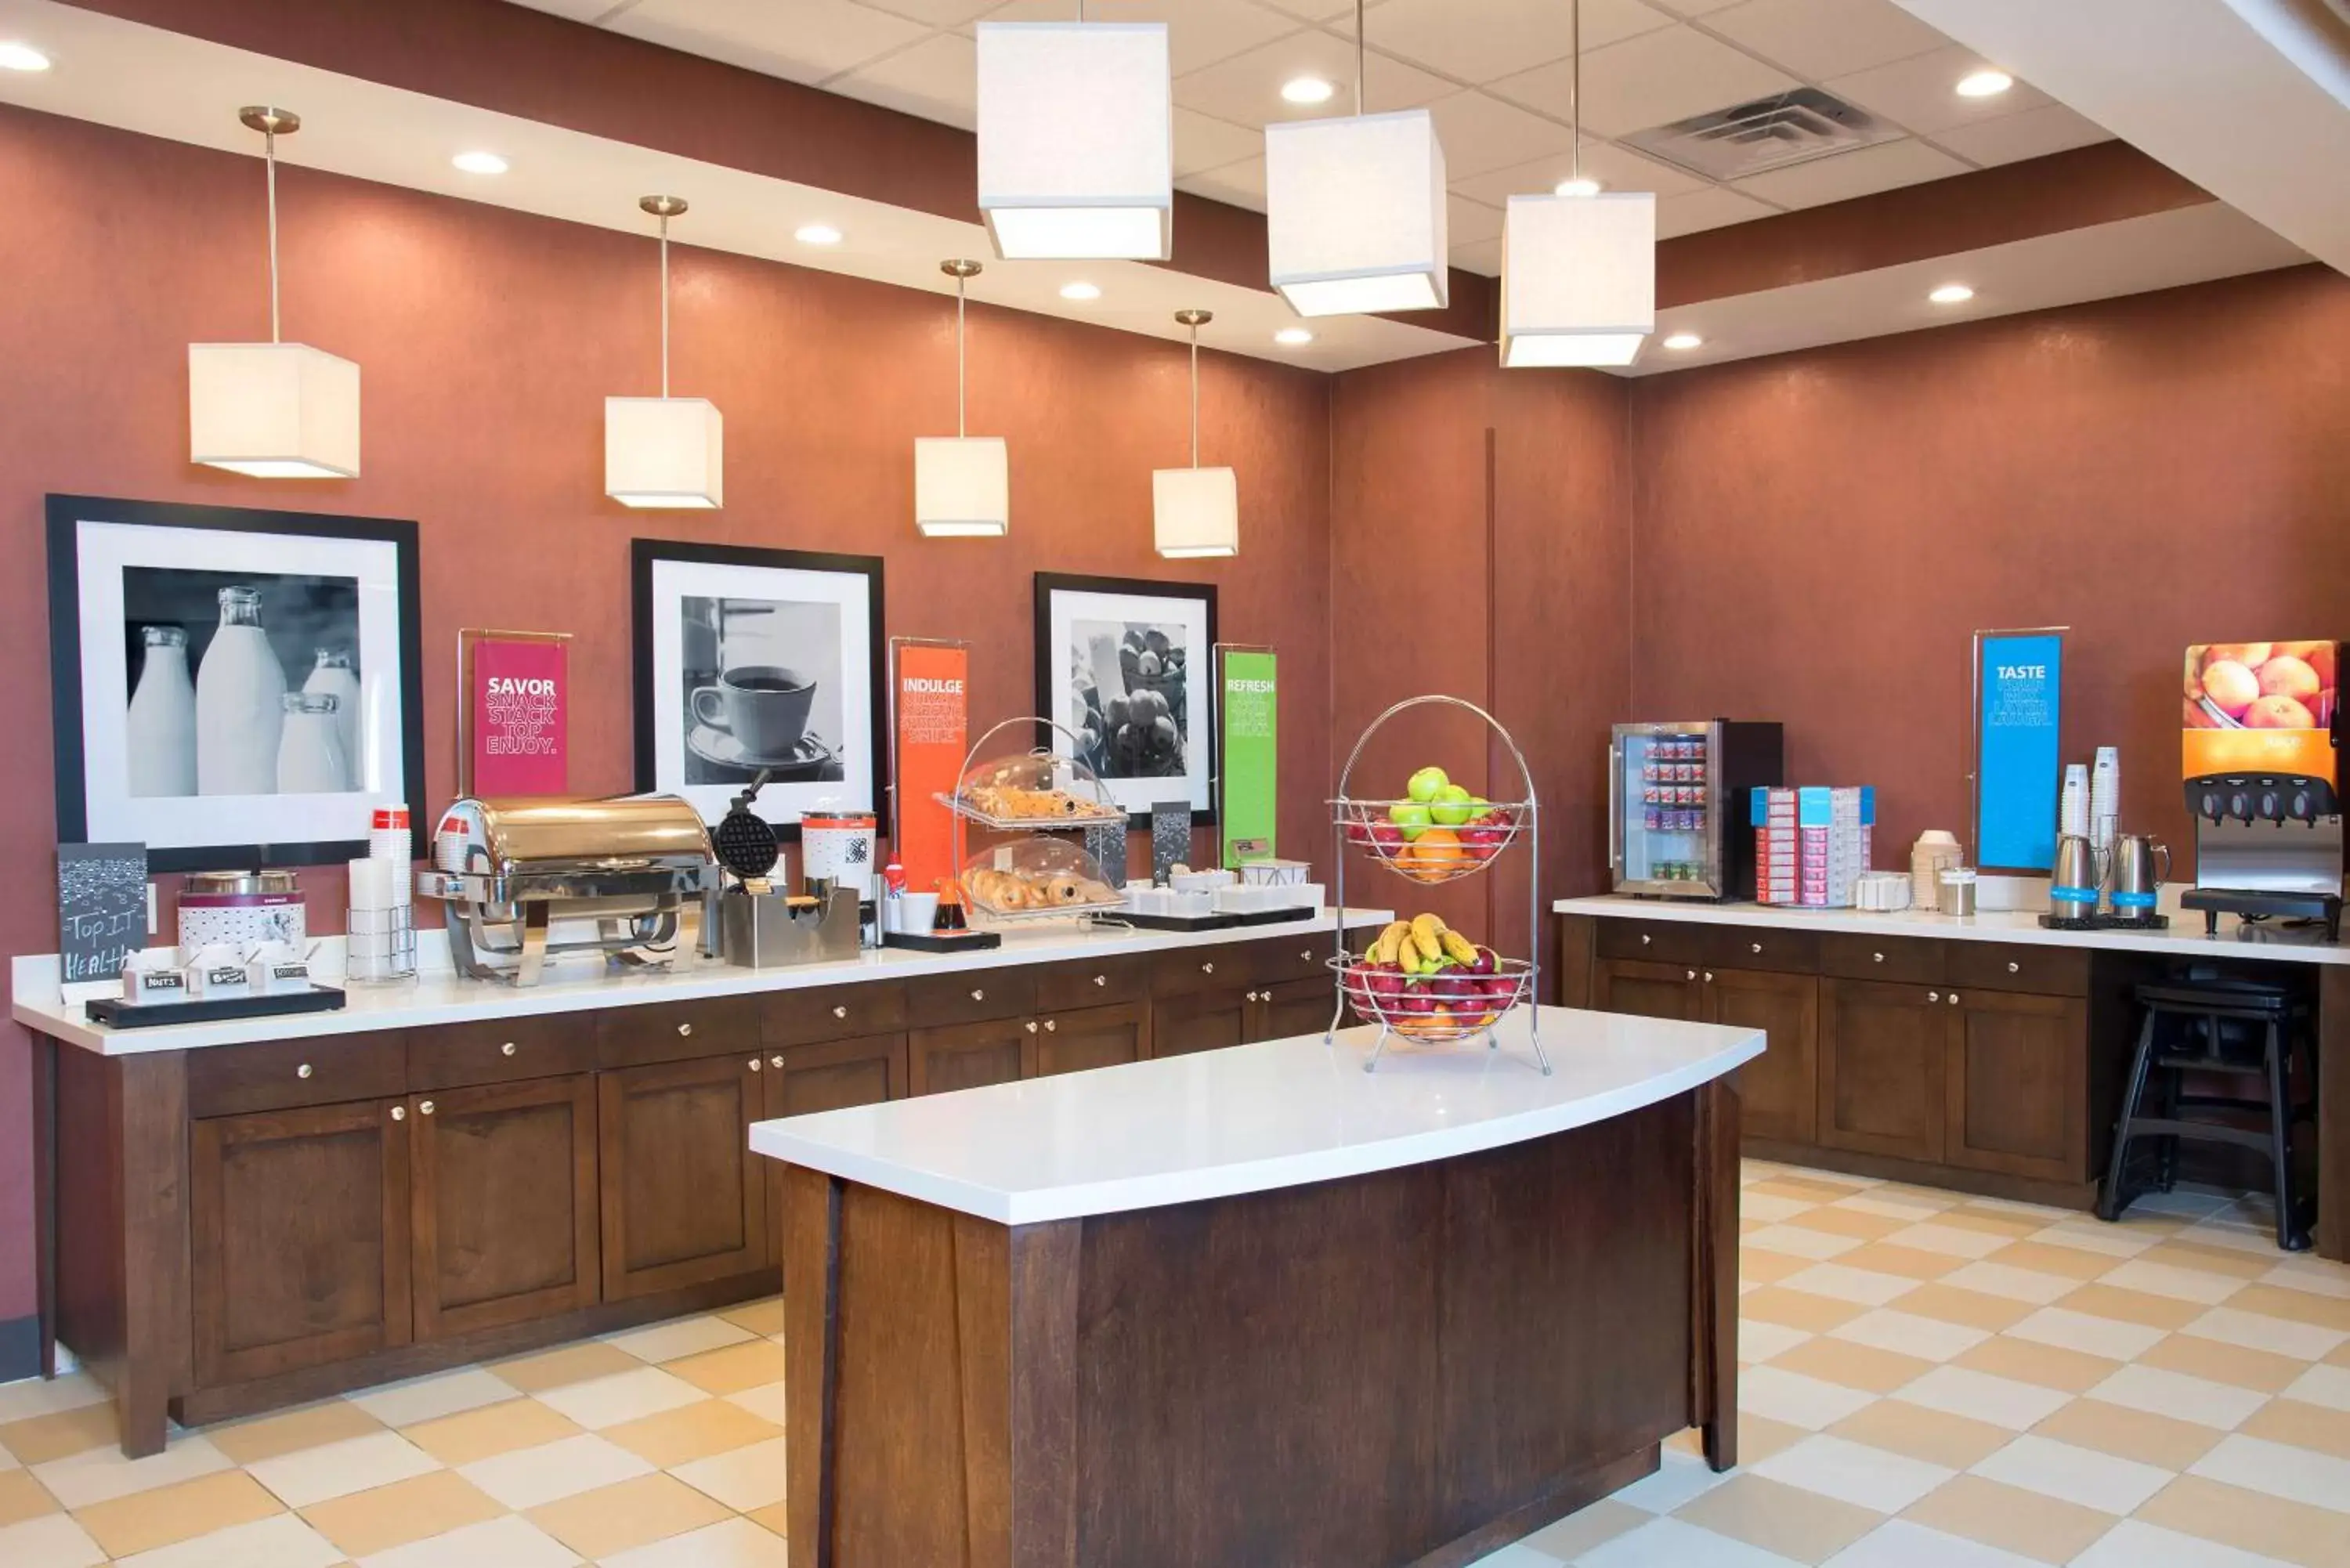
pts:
[577, 10]
[1483, 258]
[1198, 32]
[1817, 40]
[1480, 133]
[1712, 208]
[1246, 89]
[1844, 175]
[1692, 7]
[1616, 168]
[1312, 10]
[1653, 80]
[1466, 222]
[1241, 184]
[1921, 92]
[936, 13]
[1496, 37]
[937, 80]
[799, 40]
[1204, 142]
[2034, 134]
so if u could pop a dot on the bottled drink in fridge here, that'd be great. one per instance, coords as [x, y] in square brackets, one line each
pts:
[160, 734]
[310, 747]
[240, 702]
[332, 676]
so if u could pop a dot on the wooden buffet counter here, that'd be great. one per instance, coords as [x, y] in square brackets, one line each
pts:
[239, 1216]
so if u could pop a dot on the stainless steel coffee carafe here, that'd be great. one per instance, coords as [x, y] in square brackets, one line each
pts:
[2141, 864]
[2075, 878]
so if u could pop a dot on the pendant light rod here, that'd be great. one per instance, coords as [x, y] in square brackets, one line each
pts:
[1195, 320]
[272, 123]
[1359, 65]
[961, 272]
[664, 208]
[1575, 90]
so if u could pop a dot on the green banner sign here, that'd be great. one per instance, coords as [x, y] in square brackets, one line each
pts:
[1251, 750]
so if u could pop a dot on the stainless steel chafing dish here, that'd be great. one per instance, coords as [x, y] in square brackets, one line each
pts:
[506, 870]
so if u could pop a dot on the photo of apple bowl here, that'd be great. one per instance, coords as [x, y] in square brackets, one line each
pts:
[1437, 832]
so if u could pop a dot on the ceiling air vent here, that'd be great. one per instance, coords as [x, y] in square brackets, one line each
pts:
[1764, 133]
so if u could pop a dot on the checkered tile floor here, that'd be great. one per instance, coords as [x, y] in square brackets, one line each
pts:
[1928, 1381]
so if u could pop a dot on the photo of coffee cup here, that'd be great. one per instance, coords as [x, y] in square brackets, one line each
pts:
[764, 707]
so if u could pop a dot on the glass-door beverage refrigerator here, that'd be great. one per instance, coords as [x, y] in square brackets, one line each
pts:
[1677, 805]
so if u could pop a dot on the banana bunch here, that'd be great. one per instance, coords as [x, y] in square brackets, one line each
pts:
[1421, 945]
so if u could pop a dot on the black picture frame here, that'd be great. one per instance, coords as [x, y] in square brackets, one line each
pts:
[644, 553]
[66, 513]
[1049, 662]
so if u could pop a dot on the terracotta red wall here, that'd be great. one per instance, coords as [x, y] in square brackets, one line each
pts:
[488, 340]
[1817, 535]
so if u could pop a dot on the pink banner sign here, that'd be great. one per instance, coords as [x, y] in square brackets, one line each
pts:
[519, 701]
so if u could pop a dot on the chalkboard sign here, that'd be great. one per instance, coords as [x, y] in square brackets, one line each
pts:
[102, 908]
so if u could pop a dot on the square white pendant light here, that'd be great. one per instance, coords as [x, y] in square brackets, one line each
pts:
[273, 411]
[1195, 512]
[1355, 215]
[963, 486]
[1077, 140]
[1578, 279]
[665, 452]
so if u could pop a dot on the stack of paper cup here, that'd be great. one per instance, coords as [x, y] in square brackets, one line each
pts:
[379, 927]
[2072, 806]
[389, 841]
[2105, 796]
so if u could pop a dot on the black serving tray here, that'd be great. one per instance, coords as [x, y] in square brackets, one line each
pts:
[1223, 920]
[941, 942]
[115, 1014]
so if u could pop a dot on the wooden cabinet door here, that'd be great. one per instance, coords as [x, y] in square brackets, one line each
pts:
[1647, 988]
[2017, 1081]
[1293, 1007]
[299, 1237]
[1779, 1091]
[503, 1203]
[684, 1200]
[1206, 1020]
[1093, 1037]
[1881, 1049]
[836, 1075]
[971, 1055]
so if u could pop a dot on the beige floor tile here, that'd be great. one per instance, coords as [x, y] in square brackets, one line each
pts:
[1760, 1264]
[1579, 1532]
[1954, 1442]
[146, 1520]
[682, 1336]
[694, 1432]
[2252, 1521]
[367, 1523]
[2009, 1518]
[1853, 1365]
[33, 1397]
[22, 1496]
[741, 1479]
[2208, 1358]
[279, 1540]
[736, 1368]
[2129, 1434]
[2340, 1356]
[1797, 1308]
[1688, 1440]
[94, 1475]
[776, 1518]
[2298, 1306]
[2072, 1263]
[1909, 1262]
[1852, 1222]
[267, 1436]
[472, 1435]
[629, 1395]
[1948, 1303]
[406, 1403]
[1820, 1188]
[759, 1317]
[2184, 1254]
[2303, 1426]
[2042, 1366]
[568, 1363]
[37, 1439]
[765, 1401]
[1789, 1521]
[629, 1513]
[528, 1477]
[728, 1544]
[1759, 1437]
[308, 1476]
[2100, 1300]
[48, 1540]
[1991, 1221]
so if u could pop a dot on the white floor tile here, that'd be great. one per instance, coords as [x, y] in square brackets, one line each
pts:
[2134, 1543]
[1677, 1478]
[430, 1398]
[24, 1400]
[682, 1336]
[51, 1541]
[1898, 1544]
[631, 1395]
[337, 1469]
[2086, 1333]
[2082, 1475]
[2256, 1330]
[1517, 1555]
[1949, 1241]
[1890, 1208]
[1853, 1473]
[2093, 1236]
[2279, 1471]
[2237, 1232]
[765, 1401]
[2204, 1286]
[1865, 1286]
[743, 1479]
[2001, 1401]
[2321, 1279]
[1800, 1401]
[1993, 1278]
[2220, 1406]
[1759, 1341]
[1797, 1242]
[1906, 1334]
[1672, 1543]
[2326, 1386]
[511, 1541]
[528, 1476]
[1771, 1206]
[102, 1473]
[730, 1544]
[282, 1540]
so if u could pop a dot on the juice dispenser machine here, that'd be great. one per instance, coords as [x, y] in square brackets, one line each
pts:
[2260, 754]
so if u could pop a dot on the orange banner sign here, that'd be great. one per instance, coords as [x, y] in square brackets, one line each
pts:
[933, 715]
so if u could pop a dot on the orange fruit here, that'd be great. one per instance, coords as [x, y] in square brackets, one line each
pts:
[1436, 853]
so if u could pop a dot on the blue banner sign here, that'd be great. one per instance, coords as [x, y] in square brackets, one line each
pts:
[2018, 773]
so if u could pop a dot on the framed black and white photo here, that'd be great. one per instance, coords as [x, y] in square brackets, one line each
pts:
[750, 661]
[233, 688]
[1125, 664]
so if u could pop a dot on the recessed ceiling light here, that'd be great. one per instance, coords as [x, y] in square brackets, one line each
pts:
[1080, 291]
[480, 163]
[1984, 84]
[1291, 336]
[15, 57]
[817, 234]
[1951, 294]
[1586, 186]
[1684, 340]
[1306, 89]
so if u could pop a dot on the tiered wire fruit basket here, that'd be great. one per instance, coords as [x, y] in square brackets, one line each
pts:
[1034, 794]
[1460, 990]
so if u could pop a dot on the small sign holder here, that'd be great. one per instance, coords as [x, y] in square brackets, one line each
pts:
[1235, 848]
[2027, 741]
[469, 643]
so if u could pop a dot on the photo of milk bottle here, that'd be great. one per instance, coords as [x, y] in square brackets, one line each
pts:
[332, 676]
[240, 702]
[159, 735]
[310, 746]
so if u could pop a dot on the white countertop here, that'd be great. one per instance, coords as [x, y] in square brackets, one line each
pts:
[2183, 939]
[1251, 1117]
[443, 996]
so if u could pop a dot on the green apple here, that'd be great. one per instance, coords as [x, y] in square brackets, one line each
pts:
[1411, 818]
[1426, 785]
[1453, 806]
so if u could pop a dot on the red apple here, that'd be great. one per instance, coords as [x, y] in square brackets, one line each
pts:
[1387, 839]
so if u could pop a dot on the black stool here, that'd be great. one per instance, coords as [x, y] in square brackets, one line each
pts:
[2249, 1028]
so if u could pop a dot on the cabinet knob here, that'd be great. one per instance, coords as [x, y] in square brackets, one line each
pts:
[1646, 939]
[1208, 967]
[1101, 980]
[1692, 974]
[1708, 977]
[977, 994]
[685, 1029]
[423, 1107]
[840, 1012]
[1051, 1024]
[1306, 955]
[1933, 996]
[1756, 947]
[1032, 1026]
[302, 1071]
[756, 1063]
[1879, 958]
[1954, 999]
[400, 1112]
[2013, 967]
[507, 1049]
[777, 1062]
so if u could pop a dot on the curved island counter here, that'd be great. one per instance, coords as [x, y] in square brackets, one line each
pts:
[1257, 1306]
